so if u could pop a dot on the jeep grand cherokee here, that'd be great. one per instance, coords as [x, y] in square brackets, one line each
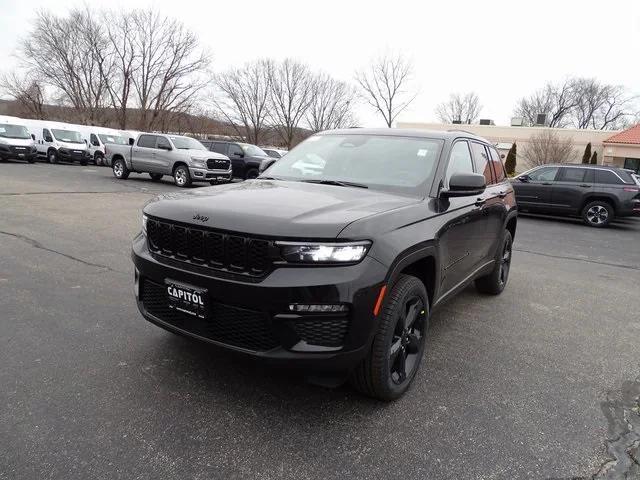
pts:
[335, 270]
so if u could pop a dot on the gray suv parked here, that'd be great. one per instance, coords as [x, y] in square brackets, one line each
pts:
[597, 193]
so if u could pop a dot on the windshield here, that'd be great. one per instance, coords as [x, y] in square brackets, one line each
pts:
[8, 130]
[113, 139]
[390, 163]
[67, 136]
[252, 150]
[187, 143]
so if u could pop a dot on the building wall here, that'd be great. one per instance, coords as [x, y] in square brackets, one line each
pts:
[521, 135]
[615, 154]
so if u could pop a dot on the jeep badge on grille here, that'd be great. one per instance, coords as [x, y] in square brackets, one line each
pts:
[200, 218]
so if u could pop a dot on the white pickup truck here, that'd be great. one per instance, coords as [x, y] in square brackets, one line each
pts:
[184, 158]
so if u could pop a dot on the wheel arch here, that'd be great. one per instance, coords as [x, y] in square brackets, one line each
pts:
[177, 164]
[421, 263]
[610, 199]
[511, 224]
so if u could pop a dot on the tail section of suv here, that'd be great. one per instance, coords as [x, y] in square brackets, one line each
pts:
[597, 193]
[245, 158]
[334, 272]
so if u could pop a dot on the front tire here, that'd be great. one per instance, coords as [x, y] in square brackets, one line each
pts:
[120, 170]
[52, 156]
[399, 343]
[181, 176]
[496, 281]
[251, 174]
[99, 160]
[598, 214]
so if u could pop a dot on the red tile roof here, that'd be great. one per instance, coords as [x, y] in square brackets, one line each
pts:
[631, 136]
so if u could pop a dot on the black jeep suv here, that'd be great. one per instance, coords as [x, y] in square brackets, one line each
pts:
[597, 193]
[245, 158]
[335, 271]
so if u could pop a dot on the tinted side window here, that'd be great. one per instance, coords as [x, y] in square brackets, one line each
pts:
[163, 142]
[483, 165]
[46, 134]
[498, 167]
[573, 175]
[545, 174]
[459, 160]
[610, 178]
[94, 140]
[220, 148]
[147, 141]
[206, 144]
[235, 150]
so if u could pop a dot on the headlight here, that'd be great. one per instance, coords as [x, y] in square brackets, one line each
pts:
[144, 223]
[324, 252]
[198, 163]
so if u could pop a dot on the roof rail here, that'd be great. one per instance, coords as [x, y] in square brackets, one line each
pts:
[461, 130]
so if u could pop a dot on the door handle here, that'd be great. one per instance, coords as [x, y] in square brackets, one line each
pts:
[584, 185]
[480, 201]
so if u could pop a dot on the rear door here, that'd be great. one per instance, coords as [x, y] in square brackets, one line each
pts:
[142, 153]
[535, 192]
[489, 229]
[571, 187]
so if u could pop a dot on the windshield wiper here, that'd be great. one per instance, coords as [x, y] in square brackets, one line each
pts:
[338, 183]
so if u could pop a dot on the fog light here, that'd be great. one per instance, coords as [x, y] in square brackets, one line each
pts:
[317, 308]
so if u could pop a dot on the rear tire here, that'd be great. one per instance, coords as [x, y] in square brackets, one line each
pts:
[156, 177]
[181, 176]
[496, 281]
[120, 170]
[399, 343]
[598, 214]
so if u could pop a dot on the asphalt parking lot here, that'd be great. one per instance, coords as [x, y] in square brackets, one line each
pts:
[539, 382]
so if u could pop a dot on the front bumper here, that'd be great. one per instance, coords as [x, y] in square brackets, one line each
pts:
[69, 155]
[254, 317]
[205, 175]
[17, 153]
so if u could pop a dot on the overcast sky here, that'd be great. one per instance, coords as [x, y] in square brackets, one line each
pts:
[502, 50]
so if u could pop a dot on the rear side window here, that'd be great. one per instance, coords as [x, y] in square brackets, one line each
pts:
[147, 141]
[459, 160]
[573, 174]
[220, 148]
[483, 165]
[163, 142]
[498, 167]
[608, 177]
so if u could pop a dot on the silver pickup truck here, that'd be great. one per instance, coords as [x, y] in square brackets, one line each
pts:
[184, 158]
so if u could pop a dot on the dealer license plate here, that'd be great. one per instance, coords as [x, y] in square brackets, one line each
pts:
[187, 299]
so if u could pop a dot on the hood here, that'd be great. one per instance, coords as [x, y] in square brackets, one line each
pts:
[72, 146]
[276, 208]
[202, 154]
[17, 142]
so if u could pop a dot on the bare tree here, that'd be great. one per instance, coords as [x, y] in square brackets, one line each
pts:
[547, 147]
[246, 94]
[600, 106]
[556, 101]
[461, 108]
[291, 95]
[331, 104]
[384, 86]
[170, 66]
[59, 50]
[27, 91]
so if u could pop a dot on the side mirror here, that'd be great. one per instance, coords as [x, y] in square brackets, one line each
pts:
[164, 147]
[238, 154]
[132, 141]
[524, 178]
[465, 185]
[33, 137]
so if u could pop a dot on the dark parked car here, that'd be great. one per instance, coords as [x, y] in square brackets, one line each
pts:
[597, 193]
[335, 273]
[245, 158]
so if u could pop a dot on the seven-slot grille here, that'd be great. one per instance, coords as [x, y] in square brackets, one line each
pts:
[218, 250]
[218, 164]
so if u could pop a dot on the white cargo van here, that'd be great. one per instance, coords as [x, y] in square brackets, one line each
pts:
[97, 138]
[57, 141]
[15, 140]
